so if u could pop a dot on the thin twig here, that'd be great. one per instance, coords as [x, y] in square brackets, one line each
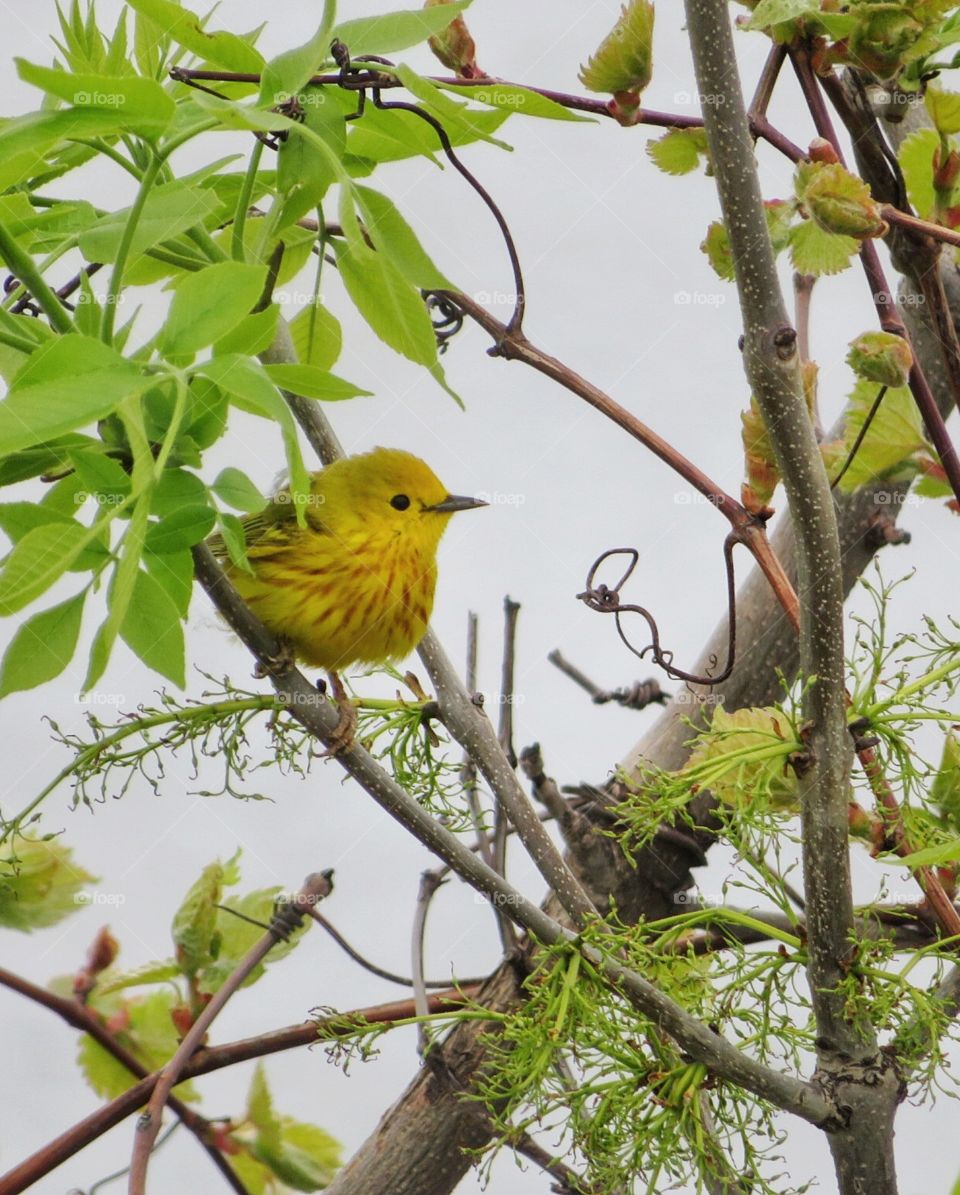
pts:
[468, 771]
[430, 883]
[84, 1019]
[205, 1061]
[391, 976]
[315, 887]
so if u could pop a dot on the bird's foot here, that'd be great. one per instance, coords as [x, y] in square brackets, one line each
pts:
[343, 737]
[284, 658]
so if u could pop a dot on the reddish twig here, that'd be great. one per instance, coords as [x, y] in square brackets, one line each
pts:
[204, 1062]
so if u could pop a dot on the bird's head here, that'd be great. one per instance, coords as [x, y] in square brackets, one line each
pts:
[389, 491]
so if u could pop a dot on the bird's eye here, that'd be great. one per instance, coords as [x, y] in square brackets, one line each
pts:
[399, 501]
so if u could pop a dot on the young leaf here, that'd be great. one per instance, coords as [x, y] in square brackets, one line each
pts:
[251, 389]
[174, 571]
[679, 151]
[208, 304]
[40, 883]
[283, 77]
[225, 50]
[152, 629]
[316, 336]
[145, 107]
[396, 30]
[180, 529]
[194, 929]
[310, 382]
[236, 489]
[169, 210]
[509, 98]
[390, 232]
[40, 558]
[814, 251]
[252, 335]
[67, 383]
[42, 647]
[623, 61]
[389, 303]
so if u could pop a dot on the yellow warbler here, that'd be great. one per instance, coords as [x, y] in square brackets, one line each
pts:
[355, 585]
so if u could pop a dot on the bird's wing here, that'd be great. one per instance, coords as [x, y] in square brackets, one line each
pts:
[265, 531]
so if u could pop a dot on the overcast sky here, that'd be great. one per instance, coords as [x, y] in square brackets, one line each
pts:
[618, 288]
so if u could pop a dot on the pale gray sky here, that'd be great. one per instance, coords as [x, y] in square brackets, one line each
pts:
[618, 288]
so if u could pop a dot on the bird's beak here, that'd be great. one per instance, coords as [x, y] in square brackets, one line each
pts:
[454, 502]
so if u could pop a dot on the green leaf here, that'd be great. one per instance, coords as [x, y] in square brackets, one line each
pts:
[39, 883]
[101, 476]
[194, 928]
[174, 571]
[231, 532]
[390, 232]
[283, 77]
[65, 384]
[305, 171]
[236, 489]
[151, 629]
[206, 417]
[389, 303]
[40, 558]
[43, 458]
[931, 856]
[451, 114]
[208, 304]
[388, 137]
[679, 151]
[623, 60]
[180, 529]
[17, 518]
[943, 108]
[168, 211]
[145, 107]
[156, 972]
[236, 936]
[316, 335]
[916, 156]
[945, 789]
[396, 30]
[509, 98]
[251, 389]
[147, 1031]
[716, 245]
[895, 433]
[42, 647]
[814, 251]
[175, 489]
[774, 12]
[225, 50]
[310, 382]
[252, 335]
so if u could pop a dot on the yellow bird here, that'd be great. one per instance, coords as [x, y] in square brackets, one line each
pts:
[356, 584]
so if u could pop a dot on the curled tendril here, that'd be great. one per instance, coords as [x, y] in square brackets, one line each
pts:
[445, 315]
[354, 78]
[605, 599]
